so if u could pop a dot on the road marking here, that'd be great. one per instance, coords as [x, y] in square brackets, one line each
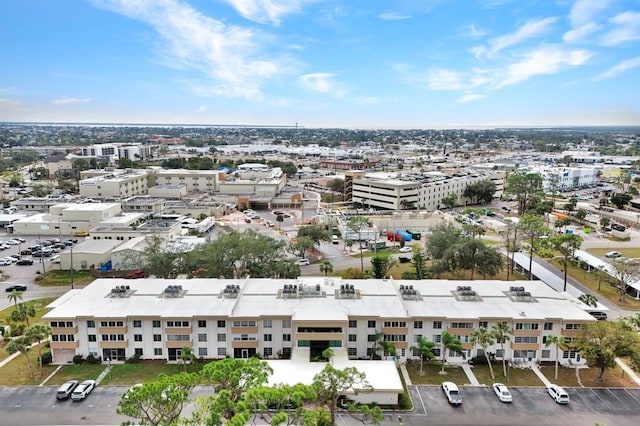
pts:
[421, 401]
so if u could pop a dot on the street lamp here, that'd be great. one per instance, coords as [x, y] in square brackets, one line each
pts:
[110, 375]
[71, 248]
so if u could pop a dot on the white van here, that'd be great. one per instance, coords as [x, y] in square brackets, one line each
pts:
[334, 239]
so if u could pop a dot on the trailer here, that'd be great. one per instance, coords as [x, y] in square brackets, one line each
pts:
[405, 235]
[414, 234]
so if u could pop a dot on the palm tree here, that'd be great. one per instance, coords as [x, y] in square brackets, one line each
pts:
[501, 333]
[561, 343]
[449, 342]
[378, 343]
[38, 333]
[279, 219]
[186, 355]
[484, 338]
[22, 312]
[326, 267]
[21, 344]
[14, 296]
[425, 348]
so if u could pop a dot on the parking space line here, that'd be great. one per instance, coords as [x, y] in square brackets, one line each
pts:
[632, 396]
[614, 395]
[593, 391]
[417, 392]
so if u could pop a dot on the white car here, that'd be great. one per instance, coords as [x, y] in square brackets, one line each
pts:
[452, 392]
[83, 390]
[613, 254]
[5, 261]
[406, 249]
[302, 262]
[502, 392]
[558, 394]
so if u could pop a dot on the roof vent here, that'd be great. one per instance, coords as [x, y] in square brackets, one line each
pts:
[173, 291]
[231, 291]
[120, 291]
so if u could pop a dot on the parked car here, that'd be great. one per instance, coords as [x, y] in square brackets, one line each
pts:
[83, 390]
[403, 259]
[81, 234]
[452, 392]
[16, 287]
[25, 262]
[26, 252]
[5, 261]
[66, 389]
[613, 254]
[558, 394]
[502, 392]
[55, 259]
[600, 316]
[138, 273]
[302, 262]
[406, 249]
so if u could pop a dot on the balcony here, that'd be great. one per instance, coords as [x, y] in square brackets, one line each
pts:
[65, 345]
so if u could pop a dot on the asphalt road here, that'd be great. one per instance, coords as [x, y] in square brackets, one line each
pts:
[531, 406]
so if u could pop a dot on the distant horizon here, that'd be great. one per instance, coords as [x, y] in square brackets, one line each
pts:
[344, 64]
[274, 126]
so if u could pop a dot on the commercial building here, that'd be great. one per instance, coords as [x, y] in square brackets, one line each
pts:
[156, 318]
[126, 183]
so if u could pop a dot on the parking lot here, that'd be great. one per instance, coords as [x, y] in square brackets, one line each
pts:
[530, 406]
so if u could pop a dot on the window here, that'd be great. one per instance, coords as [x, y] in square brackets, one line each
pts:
[353, 324]
[569, 354]
[371, 338]
[499, 353]
[286, 323]
[202, 337]
[436, 352]
[137, 324]
[484, 324]
[573, 326]
[267, 337]
[546, 353]
[157, 351]
[137, 337]
[222, 337]
[156, 324]
[501, 340]
[395, 324]
[527, 326]
[267, 352]
[244, 324]
[157, 338]
[417, 324]
[353, 337]
[178, 337]
[91, 324]
[395, 337]
[463, 339]
[202, 324]
[286, 337]
[548, 326]
[525, 339]
[222, 324]
[352, 352]
[138, 352]
[267, 323]
[437, 325]
[222, 351]
[174, 324]
[461, 325]
[92, 337]
[202, 351]
[371, 324]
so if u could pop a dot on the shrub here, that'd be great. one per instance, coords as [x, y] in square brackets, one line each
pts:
[133, 360]
[46, 358]
[478, 360]
[404, 402]
[77, 359]
[91, 359]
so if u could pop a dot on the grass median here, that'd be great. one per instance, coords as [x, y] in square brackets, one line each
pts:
[431, 374]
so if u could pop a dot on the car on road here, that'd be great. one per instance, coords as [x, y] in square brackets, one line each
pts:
[613, 254]
[5, 261]
[66, 389]
[302, 262]
[16, 287]
[55, 259]
[270, 224]
[558, 394]
[83, 390]
[405, 249]
[502, 392]
[452, 393]
[25, 262]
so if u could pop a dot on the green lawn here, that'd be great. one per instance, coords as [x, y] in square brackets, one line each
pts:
[5, 314]
[78, 372]
[141, 372]
[515, 376]
[57, 278]
[432, 374]
[16, 372]
[588, 377]
[630, 252]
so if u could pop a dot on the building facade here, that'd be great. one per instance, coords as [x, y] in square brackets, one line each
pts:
[156, 318]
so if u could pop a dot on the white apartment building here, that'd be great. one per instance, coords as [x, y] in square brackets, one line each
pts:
[566, 178]
[156, 318]
[193, 180]
[115, 151]
[126, 183]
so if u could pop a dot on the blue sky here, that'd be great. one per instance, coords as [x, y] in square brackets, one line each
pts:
[322, 63]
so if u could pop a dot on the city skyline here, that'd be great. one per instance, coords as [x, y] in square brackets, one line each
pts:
[322, 63]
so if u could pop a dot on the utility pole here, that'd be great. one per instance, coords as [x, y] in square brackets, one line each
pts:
[71, 267]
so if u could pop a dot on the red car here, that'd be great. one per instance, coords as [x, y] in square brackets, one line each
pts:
[139, 273]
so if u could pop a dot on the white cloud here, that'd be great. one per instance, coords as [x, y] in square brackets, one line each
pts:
[585, 11]
[628, 29]
[393, 16]
[200, 109]
[70, 101]
[446, 80]
[620, 68]
[10, 105]
[264, 11]
[545, 60]
[470, 97]
[227, 55]
[529, 30]
[322, 83]
[474, 32]
[577, 34]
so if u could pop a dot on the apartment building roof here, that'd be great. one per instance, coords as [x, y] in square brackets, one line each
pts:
[319, 298]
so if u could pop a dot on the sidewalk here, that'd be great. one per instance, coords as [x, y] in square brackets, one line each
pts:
[472, 377]
[628, 370]
[541, 376]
